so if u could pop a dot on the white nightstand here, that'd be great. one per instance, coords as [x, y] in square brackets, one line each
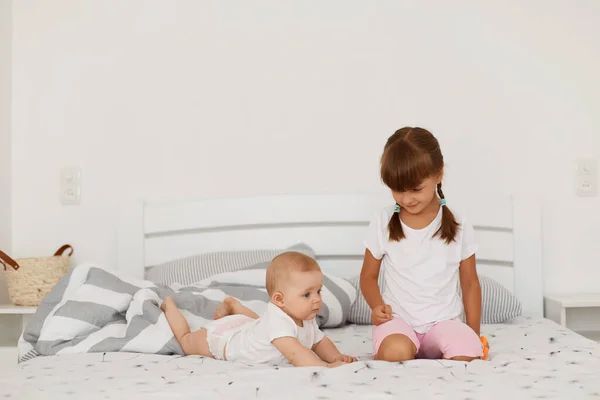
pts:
[24, 312]
[578, 312]
[12, 320]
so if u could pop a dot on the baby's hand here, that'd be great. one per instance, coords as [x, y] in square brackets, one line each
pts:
[336, 364]
[381, 314]
[345, 358]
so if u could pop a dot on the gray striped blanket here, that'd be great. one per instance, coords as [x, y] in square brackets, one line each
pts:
[93, 310]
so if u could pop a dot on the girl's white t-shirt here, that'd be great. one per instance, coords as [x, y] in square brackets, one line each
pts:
[421, 272]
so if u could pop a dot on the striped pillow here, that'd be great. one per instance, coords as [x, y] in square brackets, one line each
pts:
[360, 313]
[498, 304]
[189, 270]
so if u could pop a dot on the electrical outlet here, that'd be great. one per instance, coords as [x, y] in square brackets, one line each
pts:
[70, 186]
[588, 167]
[586, 177]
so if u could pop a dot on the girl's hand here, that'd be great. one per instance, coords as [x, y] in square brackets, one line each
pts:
[381, 314]
[345, 358]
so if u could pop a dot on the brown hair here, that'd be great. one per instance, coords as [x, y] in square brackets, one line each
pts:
[280, 268]
[410, 156]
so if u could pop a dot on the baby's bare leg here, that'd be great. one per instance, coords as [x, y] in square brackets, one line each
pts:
[231, 306]
[192, 343]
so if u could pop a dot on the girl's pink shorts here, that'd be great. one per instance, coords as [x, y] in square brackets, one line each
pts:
[446, 339]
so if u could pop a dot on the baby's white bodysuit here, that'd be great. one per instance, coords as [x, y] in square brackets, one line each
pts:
[251, 342]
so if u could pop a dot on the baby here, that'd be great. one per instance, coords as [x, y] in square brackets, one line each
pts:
[287, 331]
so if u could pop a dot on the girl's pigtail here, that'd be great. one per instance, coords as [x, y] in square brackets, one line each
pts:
[449, 227]
[395, 226]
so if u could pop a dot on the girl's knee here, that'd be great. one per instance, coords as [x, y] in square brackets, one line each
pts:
[457, 341]
[396, 348]
[468, 349]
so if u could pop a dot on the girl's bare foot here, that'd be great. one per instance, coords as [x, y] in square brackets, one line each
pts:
[227, 307]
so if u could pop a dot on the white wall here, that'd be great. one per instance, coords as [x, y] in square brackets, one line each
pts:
[5, 142]
[187, 98]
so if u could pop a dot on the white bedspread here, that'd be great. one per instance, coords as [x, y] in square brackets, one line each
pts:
[529, 359]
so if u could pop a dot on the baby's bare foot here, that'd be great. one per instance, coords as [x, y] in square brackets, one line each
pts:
[166, 303]
[226, 308]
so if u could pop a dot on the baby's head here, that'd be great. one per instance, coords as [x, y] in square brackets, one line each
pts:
[294, 282]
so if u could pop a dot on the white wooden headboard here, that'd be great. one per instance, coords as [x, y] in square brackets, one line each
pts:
[508, 230]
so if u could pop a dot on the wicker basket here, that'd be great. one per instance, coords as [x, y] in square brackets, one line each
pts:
[29, 280]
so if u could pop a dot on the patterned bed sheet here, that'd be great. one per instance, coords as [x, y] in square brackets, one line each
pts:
[529, 358]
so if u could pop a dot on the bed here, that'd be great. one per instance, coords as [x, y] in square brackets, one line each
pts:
[530, 357]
